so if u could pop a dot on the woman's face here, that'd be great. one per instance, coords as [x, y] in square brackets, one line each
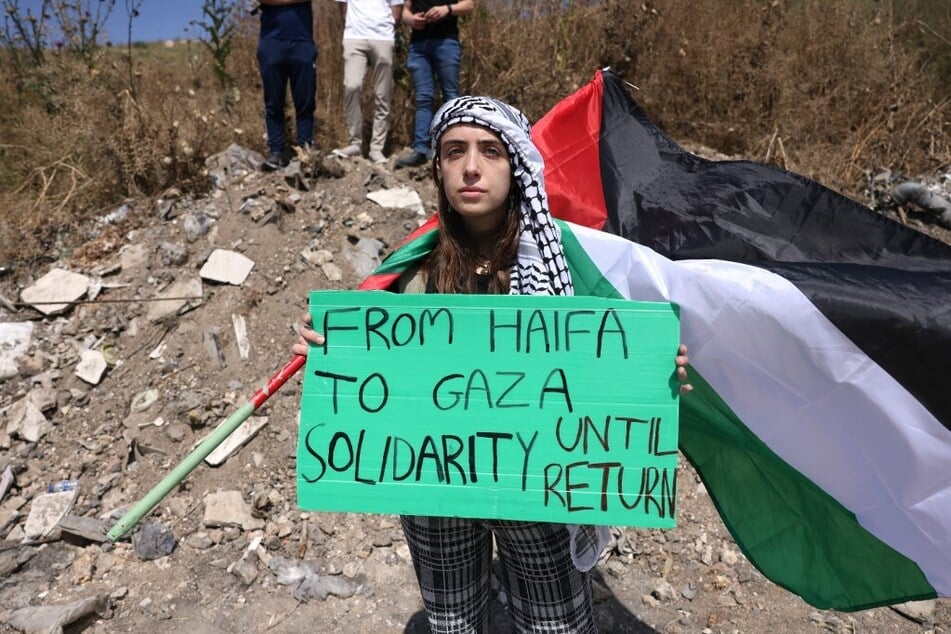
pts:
[476, 175]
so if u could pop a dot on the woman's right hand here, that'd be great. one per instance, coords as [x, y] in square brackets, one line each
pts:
[307, 337]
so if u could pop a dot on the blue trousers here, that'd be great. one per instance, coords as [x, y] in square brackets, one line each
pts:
[282, 62]
[429, 59]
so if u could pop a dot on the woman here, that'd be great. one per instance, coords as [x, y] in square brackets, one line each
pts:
[496, 235]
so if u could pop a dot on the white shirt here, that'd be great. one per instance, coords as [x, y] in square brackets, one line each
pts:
[370, 19]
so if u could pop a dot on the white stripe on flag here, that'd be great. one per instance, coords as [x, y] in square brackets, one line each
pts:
[806, 391]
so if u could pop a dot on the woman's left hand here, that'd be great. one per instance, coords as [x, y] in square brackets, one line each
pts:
[681, 361]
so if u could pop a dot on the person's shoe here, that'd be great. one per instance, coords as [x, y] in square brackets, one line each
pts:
[347, 152]
[411, 159]
[376, 156]
[274, 161]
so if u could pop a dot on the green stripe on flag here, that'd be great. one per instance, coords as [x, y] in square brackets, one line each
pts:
[408, 254]
[794, 532]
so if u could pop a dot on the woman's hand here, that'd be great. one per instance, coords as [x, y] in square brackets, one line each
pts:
[308, 336]
[681, 361]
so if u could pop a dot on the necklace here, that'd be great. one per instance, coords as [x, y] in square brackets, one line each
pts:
[482, 268]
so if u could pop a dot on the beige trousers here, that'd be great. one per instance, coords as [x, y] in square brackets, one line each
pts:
[357, 55]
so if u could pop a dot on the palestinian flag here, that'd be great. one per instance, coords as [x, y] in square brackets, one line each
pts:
[817, 420]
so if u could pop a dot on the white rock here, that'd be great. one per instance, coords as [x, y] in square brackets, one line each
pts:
[46, 511]
[159, 310]
[27, 421]
[245, 432]
[332, 271]
[91, 366]
[228, 508]
[241, 336]
[400, 198]
[228, 267]
[15, 340]
[59, 285]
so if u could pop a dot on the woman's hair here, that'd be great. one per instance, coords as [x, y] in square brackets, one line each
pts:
[451, 268]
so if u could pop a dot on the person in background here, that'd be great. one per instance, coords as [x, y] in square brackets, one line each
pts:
[368, 37]
[287, 54]
[496, 236]
[434, 53]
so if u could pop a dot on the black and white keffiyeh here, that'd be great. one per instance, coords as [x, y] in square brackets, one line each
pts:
[540, 268]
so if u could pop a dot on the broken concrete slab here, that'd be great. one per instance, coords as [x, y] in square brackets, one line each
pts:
[88, 528]
[27, 421]
[15, 338]
[399, 198]
[180, 297]
[50, 619]
[92, 365]
[228, 508]
[245, 432]
[227, 267]
[59, 286]
[45, 513]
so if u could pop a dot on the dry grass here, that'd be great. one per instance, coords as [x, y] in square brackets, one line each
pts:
[830, 89]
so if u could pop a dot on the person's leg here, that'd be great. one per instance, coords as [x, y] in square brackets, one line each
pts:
[546, 592]
[274, 84]
[421, 70]
[447, 57]
[382, 88]
[303, 76]
[355, 53]
[452, 558]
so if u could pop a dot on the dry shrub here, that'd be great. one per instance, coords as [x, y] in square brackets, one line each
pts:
[828, 89]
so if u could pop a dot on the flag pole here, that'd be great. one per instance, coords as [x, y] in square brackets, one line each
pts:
[192, 460]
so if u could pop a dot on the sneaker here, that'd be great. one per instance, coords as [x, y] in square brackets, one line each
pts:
[411, 159]
[376, 156]
[274, 161]
[347, 152]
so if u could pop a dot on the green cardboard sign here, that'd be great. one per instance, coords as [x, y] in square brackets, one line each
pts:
[557, 409]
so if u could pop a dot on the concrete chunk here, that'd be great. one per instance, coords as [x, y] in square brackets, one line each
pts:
[169, 306]
[27, 421]
[91, 366]
[15, 340]
[227, 267]
[59, 285]
[236, 440]
[228, 508]
[45, 513]
[400, 198]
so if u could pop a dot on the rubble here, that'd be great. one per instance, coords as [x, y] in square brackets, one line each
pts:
[15, 339]
[92, 365]
[227, 267]
[53, 618]
[45, 513]
[228, 508]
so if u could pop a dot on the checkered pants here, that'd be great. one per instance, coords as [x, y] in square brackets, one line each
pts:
[453, 556]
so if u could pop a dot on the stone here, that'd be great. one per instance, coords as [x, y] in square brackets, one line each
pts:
[44, 398]
[332, 271]
[51, 619]
[26, 421]
[82, 568]
[133, 256]
[92, 365]
[15, 338]
[920, 611]
[88, 528]
[317, 257]
[663, 591]
[195, 226]
[180, 297]
[45, 513]
[59, 286]
[172, 254]
[399, 198]
[153, 541]
[245, 571]
[241, 336]
[227, 267]
[228, 508]
[245, 432]
[728, 556]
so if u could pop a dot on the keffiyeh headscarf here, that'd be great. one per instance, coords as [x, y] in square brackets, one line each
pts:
[540, 267]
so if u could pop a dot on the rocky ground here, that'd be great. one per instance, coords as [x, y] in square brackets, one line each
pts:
[112, 393]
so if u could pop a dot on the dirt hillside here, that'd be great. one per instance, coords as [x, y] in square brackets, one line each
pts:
[228, 551]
